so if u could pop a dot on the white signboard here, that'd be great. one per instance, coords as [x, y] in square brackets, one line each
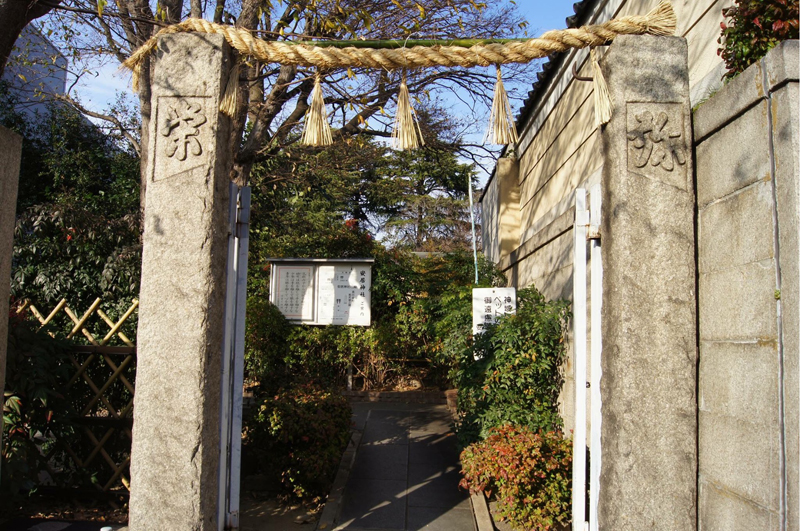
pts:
[323, 292]
[490, 303]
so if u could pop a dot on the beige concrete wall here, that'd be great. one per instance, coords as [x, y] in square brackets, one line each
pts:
[490, 220]
[747, 224]
[559, 150]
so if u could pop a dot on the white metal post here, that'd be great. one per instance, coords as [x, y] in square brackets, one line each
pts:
[596, 351]
[233, 362]
[472, 221]
[227, 358]
[579, 363]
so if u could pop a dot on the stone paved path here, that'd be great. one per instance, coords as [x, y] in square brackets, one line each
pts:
[406, 472]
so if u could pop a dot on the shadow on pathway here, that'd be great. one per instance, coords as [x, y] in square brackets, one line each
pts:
[406, 472]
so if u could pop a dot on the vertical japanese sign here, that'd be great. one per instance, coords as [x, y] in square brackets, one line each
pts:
[323, 292]
[490, 303]
[294, 292]
[343, 294]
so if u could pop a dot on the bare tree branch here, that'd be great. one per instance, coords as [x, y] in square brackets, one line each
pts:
[100, 116]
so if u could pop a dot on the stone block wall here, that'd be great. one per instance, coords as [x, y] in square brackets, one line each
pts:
[746, 151]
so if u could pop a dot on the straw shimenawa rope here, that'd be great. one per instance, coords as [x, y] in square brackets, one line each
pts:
[660, 21]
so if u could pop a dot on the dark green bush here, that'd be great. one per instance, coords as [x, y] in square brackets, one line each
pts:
[753, 28]
[297, 437]
[266, 346]
[512, 373]
[528, 471]
[34, 409]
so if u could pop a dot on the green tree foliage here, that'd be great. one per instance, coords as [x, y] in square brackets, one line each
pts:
[414, 199]
[77, 231]
[753, 28]
[423, 201]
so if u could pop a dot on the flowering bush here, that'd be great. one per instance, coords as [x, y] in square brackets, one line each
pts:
[529, 473]
[298, 436]
[753, 28]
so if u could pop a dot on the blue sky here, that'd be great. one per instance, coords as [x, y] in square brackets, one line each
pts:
[544, 15]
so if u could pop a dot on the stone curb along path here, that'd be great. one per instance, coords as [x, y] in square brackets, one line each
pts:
[330, 516]
[334, 502]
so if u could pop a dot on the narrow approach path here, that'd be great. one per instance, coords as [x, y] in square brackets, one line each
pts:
[405, 474]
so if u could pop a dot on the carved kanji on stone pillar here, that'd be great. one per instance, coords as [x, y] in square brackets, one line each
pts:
[181, 126]
[656, 144]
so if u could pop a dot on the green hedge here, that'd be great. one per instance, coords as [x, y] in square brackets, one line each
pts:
[297, 437]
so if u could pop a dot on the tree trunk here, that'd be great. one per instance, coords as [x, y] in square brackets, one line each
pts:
[146, 108]
[14, 16]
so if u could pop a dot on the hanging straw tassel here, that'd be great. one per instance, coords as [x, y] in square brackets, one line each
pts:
[231, 96]
[317, 131]
[661, 20]
[502, 129]
[603, 107]
[406, 133]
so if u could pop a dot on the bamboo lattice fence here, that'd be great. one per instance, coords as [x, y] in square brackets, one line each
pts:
[100, 390]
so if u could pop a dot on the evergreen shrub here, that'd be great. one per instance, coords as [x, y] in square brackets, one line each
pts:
[754, 27]
[512, 371]
[297, 437]
[528, 471]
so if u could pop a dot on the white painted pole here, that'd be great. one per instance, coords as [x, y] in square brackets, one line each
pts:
[596, 354]
[472, 220]
[227, 370]
[237, 398]
[579, 363]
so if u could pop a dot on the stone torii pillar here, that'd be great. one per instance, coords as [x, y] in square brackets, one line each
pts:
[176, 434]
[648, 472]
